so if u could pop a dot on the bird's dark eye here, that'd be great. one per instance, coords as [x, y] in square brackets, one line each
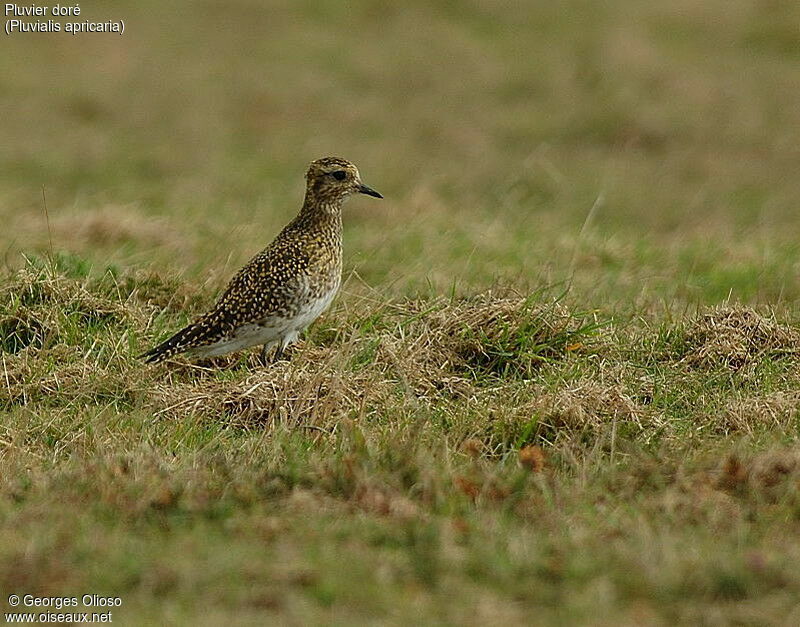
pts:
[339, 175]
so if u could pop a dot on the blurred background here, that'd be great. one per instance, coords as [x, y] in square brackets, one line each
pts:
[652, 150]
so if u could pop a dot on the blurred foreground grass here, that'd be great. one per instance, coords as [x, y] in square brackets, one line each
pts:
[560, 382]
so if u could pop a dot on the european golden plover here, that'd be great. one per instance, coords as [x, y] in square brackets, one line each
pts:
[284, 288]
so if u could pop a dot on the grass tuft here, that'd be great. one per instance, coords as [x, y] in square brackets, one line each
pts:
[737, 337]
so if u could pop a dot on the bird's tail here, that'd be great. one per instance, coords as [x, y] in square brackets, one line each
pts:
[188, 337]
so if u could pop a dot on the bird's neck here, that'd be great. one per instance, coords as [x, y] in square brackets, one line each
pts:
[321, 213]
[321, 208]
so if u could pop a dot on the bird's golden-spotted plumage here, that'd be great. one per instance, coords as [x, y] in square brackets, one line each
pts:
[287, 285]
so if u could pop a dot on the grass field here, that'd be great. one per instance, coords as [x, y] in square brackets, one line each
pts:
[559, 385]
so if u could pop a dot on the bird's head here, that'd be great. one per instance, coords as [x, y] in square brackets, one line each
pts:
[332, 179]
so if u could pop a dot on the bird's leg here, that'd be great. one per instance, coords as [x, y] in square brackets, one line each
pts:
[263, 355]
[284, 350]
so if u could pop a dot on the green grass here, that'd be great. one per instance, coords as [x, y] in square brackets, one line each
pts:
[559, 385]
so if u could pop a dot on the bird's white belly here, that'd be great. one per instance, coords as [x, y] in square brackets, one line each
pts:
[269, 331]
[243, 337]
[311, 312]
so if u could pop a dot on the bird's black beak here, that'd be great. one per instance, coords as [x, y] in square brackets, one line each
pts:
[366, 189]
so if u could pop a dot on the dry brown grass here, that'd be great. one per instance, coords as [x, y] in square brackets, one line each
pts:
[429, 350]
[307, 393]
[737, 337]
[777, 410]
[589, 404]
